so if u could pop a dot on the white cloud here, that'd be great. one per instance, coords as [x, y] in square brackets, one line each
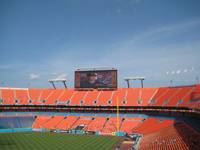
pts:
[34, 76]
[185, 70]
[192, 69]
[61, 76]
[137, 54]
[178, 71]
[173, 72]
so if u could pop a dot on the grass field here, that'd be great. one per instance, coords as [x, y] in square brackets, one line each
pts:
[53, 141]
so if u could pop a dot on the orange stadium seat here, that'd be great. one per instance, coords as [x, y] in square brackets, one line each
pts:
[66, 96]
[8, 96]
[175, 137]
[67, 123]
[77, 98]
[97, 124]
[105, 98]
[82, 121]
[53, 122]
[179, 97]
[90, 98]
[21, 96]
[34, 95]
[164, 99]
[129, 124]
[39, 121]
[146, 95]
[119, 94]
[160, 92]
[133, 97]
[147, 124]
[53, 97]
[111, 125]
[173, 97]
[44, 95]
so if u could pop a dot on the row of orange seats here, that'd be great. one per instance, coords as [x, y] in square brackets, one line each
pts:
[179, 96]
[175, 137]
[102, 124]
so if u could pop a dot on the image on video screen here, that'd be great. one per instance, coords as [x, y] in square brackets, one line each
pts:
[96, 79]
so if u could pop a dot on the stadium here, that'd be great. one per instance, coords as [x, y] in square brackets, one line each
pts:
[99, 75]
[141, 118]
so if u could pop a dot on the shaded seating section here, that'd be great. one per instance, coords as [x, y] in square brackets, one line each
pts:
[111, 125]
[97, 124]
[190, 136]
[9, 122]
[102, 124]
[180, 96]
[151, 125]
[145, 125]
[39, 121]
[53, 122]
[67, 123]
[129, 124]
[83, 122]
[180, 136]
[194, 99]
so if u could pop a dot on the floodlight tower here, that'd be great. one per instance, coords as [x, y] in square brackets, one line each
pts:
[128, 83]
[197, 79]
[127, 79]
[58, 80]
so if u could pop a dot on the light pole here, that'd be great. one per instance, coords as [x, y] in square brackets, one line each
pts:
[127, 79]
[197, 79]
[58, 80]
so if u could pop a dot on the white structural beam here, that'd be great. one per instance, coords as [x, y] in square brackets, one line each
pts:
[127, 79]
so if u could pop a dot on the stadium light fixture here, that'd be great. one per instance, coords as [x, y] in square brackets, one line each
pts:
[197, 79]
[127, 79]
[52, 81]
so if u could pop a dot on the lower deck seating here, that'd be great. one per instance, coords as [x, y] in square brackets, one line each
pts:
[157, 134]
[82, 121]
[111, 125]
[52, 123]
[10, 122]
[66, 123]
[39, 121]
[175, 137]
[102, 124]
[129, 124]
[97, 124]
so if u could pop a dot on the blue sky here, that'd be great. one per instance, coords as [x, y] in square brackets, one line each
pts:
[45, 39]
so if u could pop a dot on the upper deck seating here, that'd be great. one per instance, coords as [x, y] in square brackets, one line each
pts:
[158, 97]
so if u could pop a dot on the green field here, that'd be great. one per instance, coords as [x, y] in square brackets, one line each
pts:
[53, 141]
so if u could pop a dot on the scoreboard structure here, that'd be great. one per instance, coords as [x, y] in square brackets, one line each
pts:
[96, 78]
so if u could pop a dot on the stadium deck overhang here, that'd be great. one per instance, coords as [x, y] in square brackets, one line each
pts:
[152, 110]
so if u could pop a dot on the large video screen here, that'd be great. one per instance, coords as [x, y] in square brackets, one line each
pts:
[96, 79]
